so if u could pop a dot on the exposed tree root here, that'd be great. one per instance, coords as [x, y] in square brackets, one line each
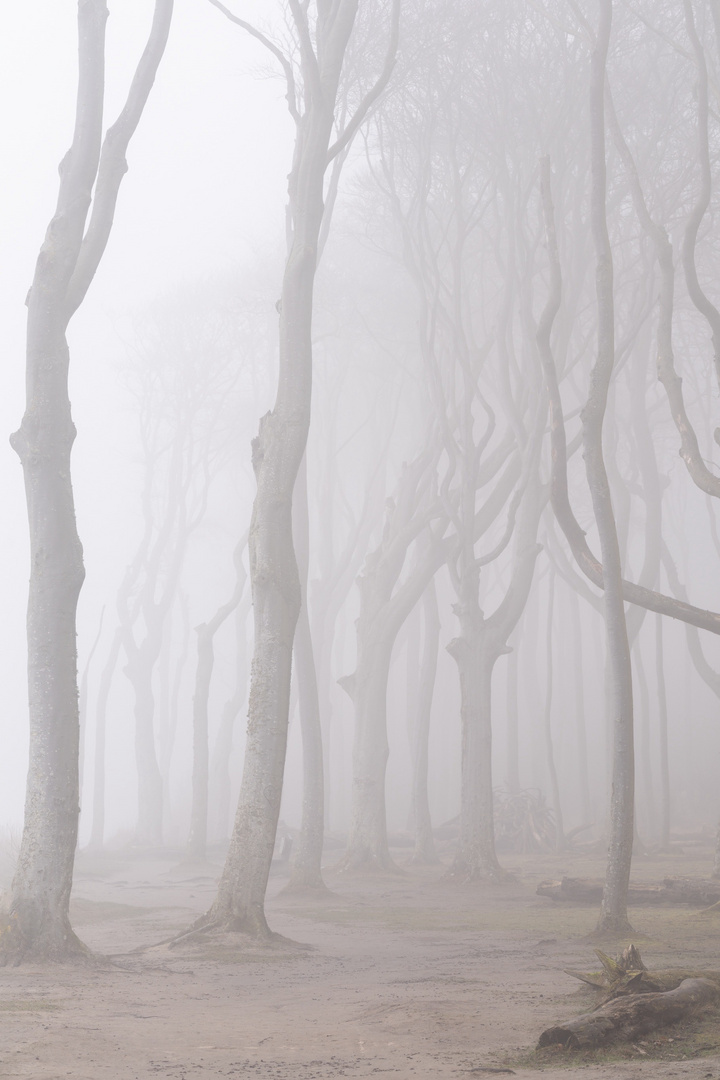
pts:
[56, 945]
[234, 931]
[610, 928]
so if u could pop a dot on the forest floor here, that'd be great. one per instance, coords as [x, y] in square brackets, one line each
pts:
[403, 976]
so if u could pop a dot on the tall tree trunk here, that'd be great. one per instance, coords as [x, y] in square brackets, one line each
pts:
[665, 796]
[613, 913]
[412, 696]
[43, 878]
[513, 719]
[579, 710]
[475, 654]
[277, 452]
[549, 749]
[367, 841]
[39, 925]
[424, 850]
[306, 866]
[645, 806]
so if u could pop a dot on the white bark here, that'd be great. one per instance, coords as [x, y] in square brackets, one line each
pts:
[39, 925]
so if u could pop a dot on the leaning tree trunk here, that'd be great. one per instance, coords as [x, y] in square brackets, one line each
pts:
[39, 925]
[613, 913]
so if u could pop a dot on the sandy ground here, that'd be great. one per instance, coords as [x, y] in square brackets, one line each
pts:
[403, 976]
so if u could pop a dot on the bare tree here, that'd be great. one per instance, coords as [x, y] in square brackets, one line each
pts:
[321, 43]
[90, 177]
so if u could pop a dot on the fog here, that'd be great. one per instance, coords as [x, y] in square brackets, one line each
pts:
[395, 391]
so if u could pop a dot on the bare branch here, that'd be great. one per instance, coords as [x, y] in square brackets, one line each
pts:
[689, 449]
[78, 168]
[374, 93]
[113, 166]
[560, 499]
[279, 55]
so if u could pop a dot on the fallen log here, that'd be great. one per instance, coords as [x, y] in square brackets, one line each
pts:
[629, 1017]
[698, 892]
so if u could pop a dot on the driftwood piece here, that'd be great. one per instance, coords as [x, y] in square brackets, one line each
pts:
[631, 1016]
[699, 892]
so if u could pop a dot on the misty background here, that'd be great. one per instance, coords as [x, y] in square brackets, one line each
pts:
[178, 335]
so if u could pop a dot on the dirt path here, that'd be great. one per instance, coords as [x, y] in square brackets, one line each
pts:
[403, 978]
